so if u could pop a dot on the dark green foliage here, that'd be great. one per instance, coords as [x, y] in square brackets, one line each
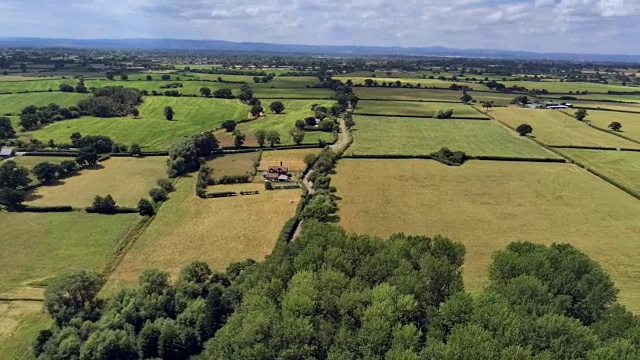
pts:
[234, 179]
[273, 137]
[66, 88]
[524, 129]
[448, 157]
[444, 114]
[320, 208]
[135, 149]
[169, 113]
[615, 126]
[104, 205]
[223, 94]
[466, 98]
[256, 110]
[110, 101]
[185, 154]
[6, 129]
[166, 185]
[297, 136]
[238, 138]
[580, 114]
[203, 181]
[87, 156]
[47, 172]
[33, 117]
[309, 159]
[73, 295]
[145, 208]
[300, 124]
[158, 194]
[14, 181]
[229, 125]
[276, 107]
[348, 121]
[261, 137]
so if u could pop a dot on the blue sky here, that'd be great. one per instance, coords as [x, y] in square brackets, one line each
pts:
[583, 26]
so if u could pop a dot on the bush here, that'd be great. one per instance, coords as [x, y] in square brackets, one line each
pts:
[166, 185]
[223, 194]
[158, 194]
[45, 209]
[145, 208]
[268, 186]
[103, 205]
[448, 157]
[444, 114]
[524, 129]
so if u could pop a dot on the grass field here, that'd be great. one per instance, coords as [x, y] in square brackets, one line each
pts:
[14, 103]
[622, 166]
[236, 164]
[411, 136]
[379, 93]
[31, 161]
[565, 87]
[487, 205]
[269, 93]
[594, 97]
[282, 123]
[630, 122]
[293, 159]
[151, 131]
[425, 83]
[126, 179]
[555, 128]
[608, 105]
[44, 84]
[412, 108]
[36, 246]
[217, 231]
[20, 322]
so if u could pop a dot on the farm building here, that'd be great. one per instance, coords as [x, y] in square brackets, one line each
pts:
[277, 173]
[557, 107]
[6, 153]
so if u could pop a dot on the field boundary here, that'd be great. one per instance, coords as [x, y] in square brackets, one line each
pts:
[470, 157]
[419, 101]
[424, 117]
[601, 109]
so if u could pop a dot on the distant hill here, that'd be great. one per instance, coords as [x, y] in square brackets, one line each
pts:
[330, 50]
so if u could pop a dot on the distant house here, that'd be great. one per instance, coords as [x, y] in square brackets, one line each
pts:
[6, 153]
[277, 173]
[557, 107]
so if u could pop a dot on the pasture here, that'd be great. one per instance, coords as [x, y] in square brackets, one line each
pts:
[378, 93]
[31, 161]
[412, 108]
[633, 107]
[218, 231]
[603, 97]
[374, 135]
[20, 323]
[151, 130]
[630, 122]
[44, 84]
[621, 166]
[14, 103]
[126, 179]
[292, 159]
[487, 205]
[37, 246]
[424, 83]
[568, 87]
[269, 93]
[232, 164]
[556, 128]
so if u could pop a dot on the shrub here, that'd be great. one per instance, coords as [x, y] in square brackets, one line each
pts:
[104, 205]
[268, 185]
[145, 208]
[158, 194]
[234, 179]
[166, 184]
[448, 157]
[524, 129]
[444, 114]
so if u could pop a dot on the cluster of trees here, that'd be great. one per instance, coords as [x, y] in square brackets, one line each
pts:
[203, 180]
[263, 79]
[47, 172]
[443, 114]
[33, 117]
[271, 136]
[185, 155]
[171, 86]
[111, 101]
[155, 320]
[14, 182]
[6, 128]
[321, 205]
[79, 88]
[448, 157]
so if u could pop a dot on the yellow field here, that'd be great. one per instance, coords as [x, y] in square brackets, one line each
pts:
[487, 205]
[630, 122]
[126, 179]
[555, 128]
[608, 105]
[229, 165]
[218, 231]
[293, 159]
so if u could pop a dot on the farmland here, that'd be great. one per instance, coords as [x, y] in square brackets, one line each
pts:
[31, 161]
[379, 93]
[218, 231]
[20, 323]
[486, 205]
[411, 136]
[139, 175]
[14, 103]
[292, 159]
[151, 131]
[411, 108]
[567, 87]
[231, 165]
[630, 122]
[424, 83]
[622, 166]
[555, 128]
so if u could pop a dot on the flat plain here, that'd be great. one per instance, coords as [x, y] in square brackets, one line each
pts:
[487, 205]
[413, 108]
[218, 231]
[374, 135]
[126, 179]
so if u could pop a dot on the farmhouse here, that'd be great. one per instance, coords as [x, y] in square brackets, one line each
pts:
[277, 173]
[6, 153]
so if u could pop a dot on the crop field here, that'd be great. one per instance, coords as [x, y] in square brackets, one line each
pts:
[4, 78]
[292, 159]
[235, 164]
[374, 135]
[555, 128]
[126, 179]
[14, 103]
[379, 93]
[269, 93]
[412, 108]
[282, 123]
[151, 131]
[189, 86]
[218, 231]
[621, 166]
[566, 87]
[630, 122]
[487, 205]
[37, 246]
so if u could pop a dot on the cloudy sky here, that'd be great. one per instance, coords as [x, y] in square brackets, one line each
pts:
[583, 26]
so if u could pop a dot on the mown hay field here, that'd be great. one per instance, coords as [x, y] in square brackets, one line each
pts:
[606, 97]
[553, 127]
[44, 84]
[630, 122]
[374, 135]
[232, 164]
[14, 103]
[269, 93]
[621, 166]
[413, 108]
[37, 246]
[487, 205]
[126, 179]
[218, 231]
[151, 130]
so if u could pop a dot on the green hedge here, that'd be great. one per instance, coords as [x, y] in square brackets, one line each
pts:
[51, 153]
[286, 187]
[45, 209]
[583, 147]
[222, 194]
[289, 229]
[514, 158]
[118, 210]
[426, 116]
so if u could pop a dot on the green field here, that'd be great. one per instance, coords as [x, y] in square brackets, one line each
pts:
[566, 87]
[556, 128]
[630, 122]
[412, 108]
[379, 93]
[269, 93]
[486, 205]
[36, 246]
[25, 322]
[295, 110]
[34, 85]
[606, 97]
[634, 107]
[14, 103]
[230, 165]
[621, 166]
[425, 83]
[31, 161]
[151, 130]
[411, 136]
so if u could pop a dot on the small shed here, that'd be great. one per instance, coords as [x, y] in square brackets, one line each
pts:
[6, 152]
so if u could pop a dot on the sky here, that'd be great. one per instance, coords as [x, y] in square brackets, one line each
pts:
[575, 26]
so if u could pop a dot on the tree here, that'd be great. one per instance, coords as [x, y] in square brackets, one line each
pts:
[81, 87]
[165, 184]
[524, 129]
[104, 205]
[276, 107]
[23, 67]
[87, 156]
[348, 121]
[145, 208]
[261, 137]
[14, 180]
[256, 110]
[300, 124]
[135, 112]
[466, 98]
[124, 77]
[46, 172]
[444, 114]
[273, 137]
[6, 129]
[165, 77]
[487, 105]
[205, 91]
[229, 125]
[297, 136]
[67, 88]
[320, 208]
[223, 94]
[581, 114]
[615, 126]
[149, 78]
[238, 138]
[135, 150]
[158, 194]
[73, 295]
[110, 76]
[168, 113]
[309, 159]
[326, 125]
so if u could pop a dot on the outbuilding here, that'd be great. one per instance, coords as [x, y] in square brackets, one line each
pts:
[6, 152]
